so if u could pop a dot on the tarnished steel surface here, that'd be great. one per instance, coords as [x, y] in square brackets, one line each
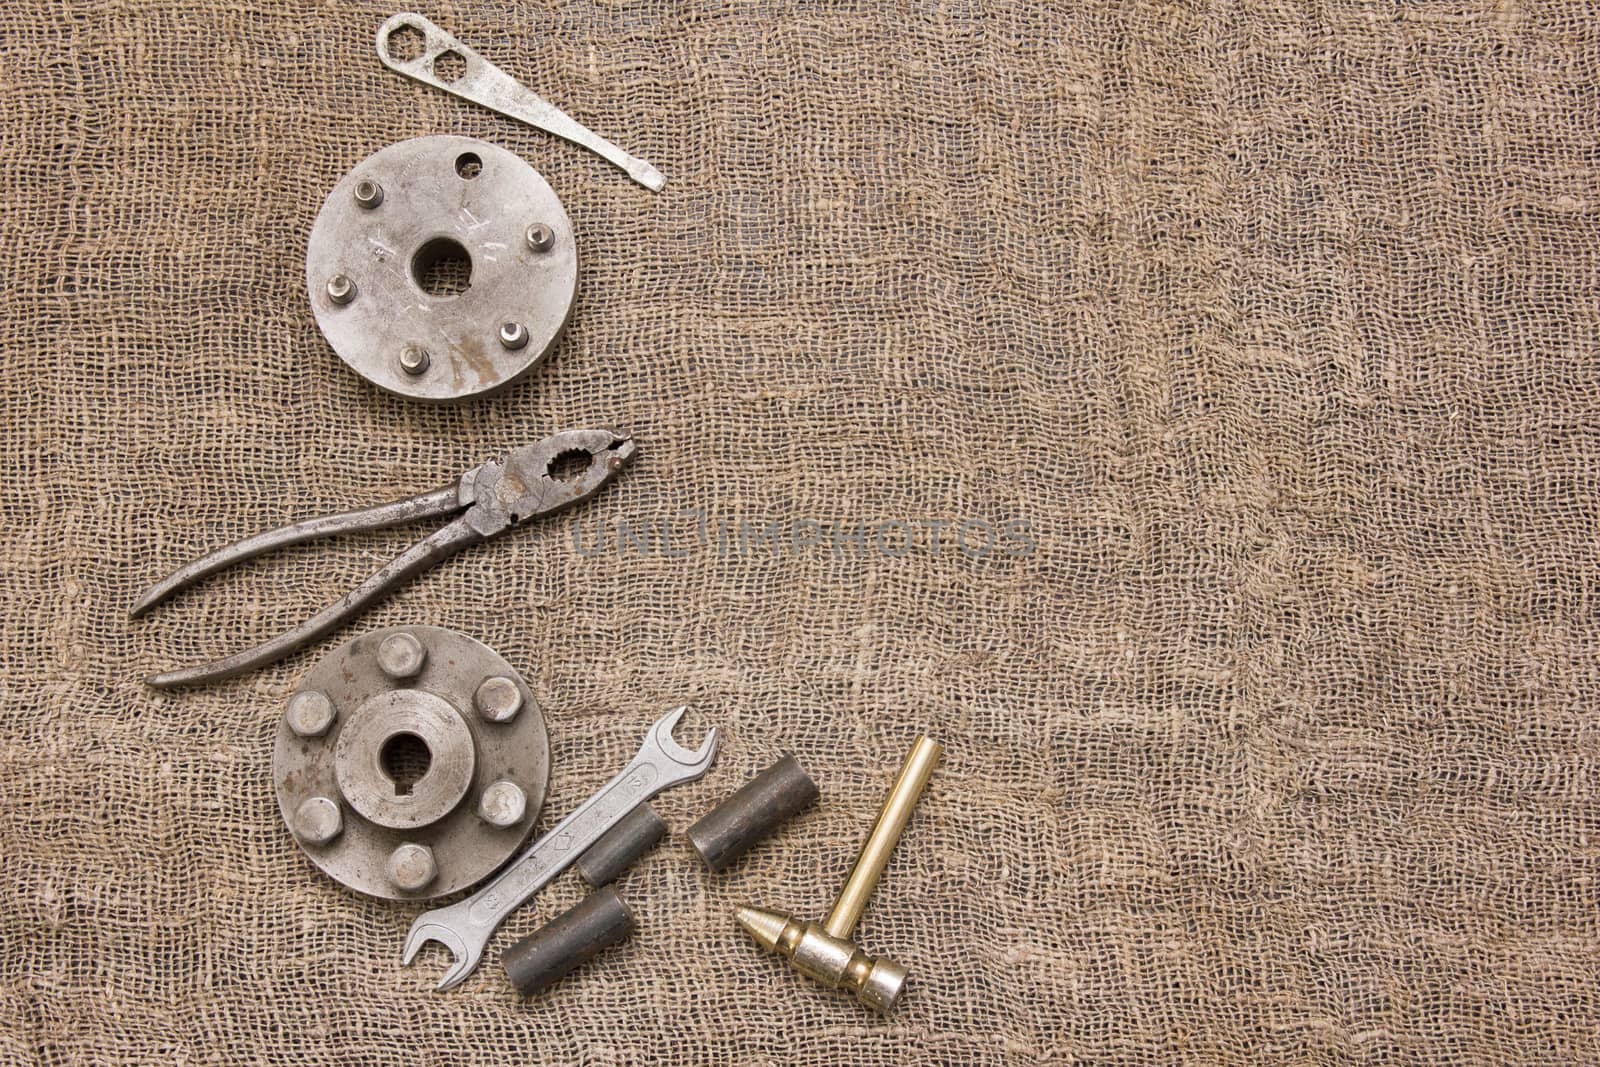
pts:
[439, 266]
[407, 765]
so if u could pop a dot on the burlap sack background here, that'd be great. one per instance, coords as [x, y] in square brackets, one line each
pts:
[1277, 323]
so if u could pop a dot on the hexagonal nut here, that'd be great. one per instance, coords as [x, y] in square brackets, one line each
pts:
[411, 867]
[401, 656]
[341, 290]
[540, 237]
[498, 699]
[414, 360]
[503, 803]
[309, 713]
[317, 820]
[369, 194]
[513, 335]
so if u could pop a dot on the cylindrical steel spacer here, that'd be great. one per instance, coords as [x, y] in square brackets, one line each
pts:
[760, 806]
[621, 845]
[569, 940]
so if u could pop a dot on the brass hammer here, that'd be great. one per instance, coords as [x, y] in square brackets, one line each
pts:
[824, 950]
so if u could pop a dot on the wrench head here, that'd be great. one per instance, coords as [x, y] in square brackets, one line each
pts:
[689, 765]
[464, 958]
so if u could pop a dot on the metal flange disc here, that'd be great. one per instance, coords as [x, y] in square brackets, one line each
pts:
[411, 763]
[441, 268]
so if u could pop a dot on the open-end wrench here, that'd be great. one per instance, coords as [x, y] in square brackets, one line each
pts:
[466, 926]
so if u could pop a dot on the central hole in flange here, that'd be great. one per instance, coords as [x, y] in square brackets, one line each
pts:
[405, 759]
[442, 267]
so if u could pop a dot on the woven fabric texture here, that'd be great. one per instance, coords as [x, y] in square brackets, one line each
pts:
[1188, 413]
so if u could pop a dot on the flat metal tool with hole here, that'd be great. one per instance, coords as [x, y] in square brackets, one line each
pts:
[442, 268]
[464, 928]
[445, 63]
[411, 762]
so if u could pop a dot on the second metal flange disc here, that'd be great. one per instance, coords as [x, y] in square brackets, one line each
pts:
[442, 267]
[411, 763]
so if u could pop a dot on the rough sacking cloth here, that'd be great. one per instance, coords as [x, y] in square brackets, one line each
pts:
[1187, 413]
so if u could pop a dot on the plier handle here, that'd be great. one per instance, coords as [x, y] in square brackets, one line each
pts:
[486, 500]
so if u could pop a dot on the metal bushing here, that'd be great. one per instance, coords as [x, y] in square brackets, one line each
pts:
[621, 845]
[442, 267]
[568, 941]
[389, 776]
[754, 812]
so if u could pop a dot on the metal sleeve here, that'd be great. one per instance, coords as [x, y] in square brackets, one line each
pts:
[569, 940]
[760, 806]
[621, 845]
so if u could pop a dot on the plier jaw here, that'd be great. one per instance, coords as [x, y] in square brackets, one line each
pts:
[528, 482]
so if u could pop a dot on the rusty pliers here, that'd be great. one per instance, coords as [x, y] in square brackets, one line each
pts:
[491, 498]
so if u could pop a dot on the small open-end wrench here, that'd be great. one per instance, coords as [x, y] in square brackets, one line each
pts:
[466, 926]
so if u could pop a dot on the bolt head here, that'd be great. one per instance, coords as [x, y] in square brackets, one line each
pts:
[317, 820]
[541, 238]
[503, 804]
[401, 656]
[513, 335]
[341, 290]
[414, 360]
[411, 867]
[369, 194]
[498, 699]
[309, 713]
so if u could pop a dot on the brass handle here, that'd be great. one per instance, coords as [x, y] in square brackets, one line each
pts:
[914, 775]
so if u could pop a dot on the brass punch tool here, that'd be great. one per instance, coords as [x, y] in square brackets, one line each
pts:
[487, 500]
[824, 950]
